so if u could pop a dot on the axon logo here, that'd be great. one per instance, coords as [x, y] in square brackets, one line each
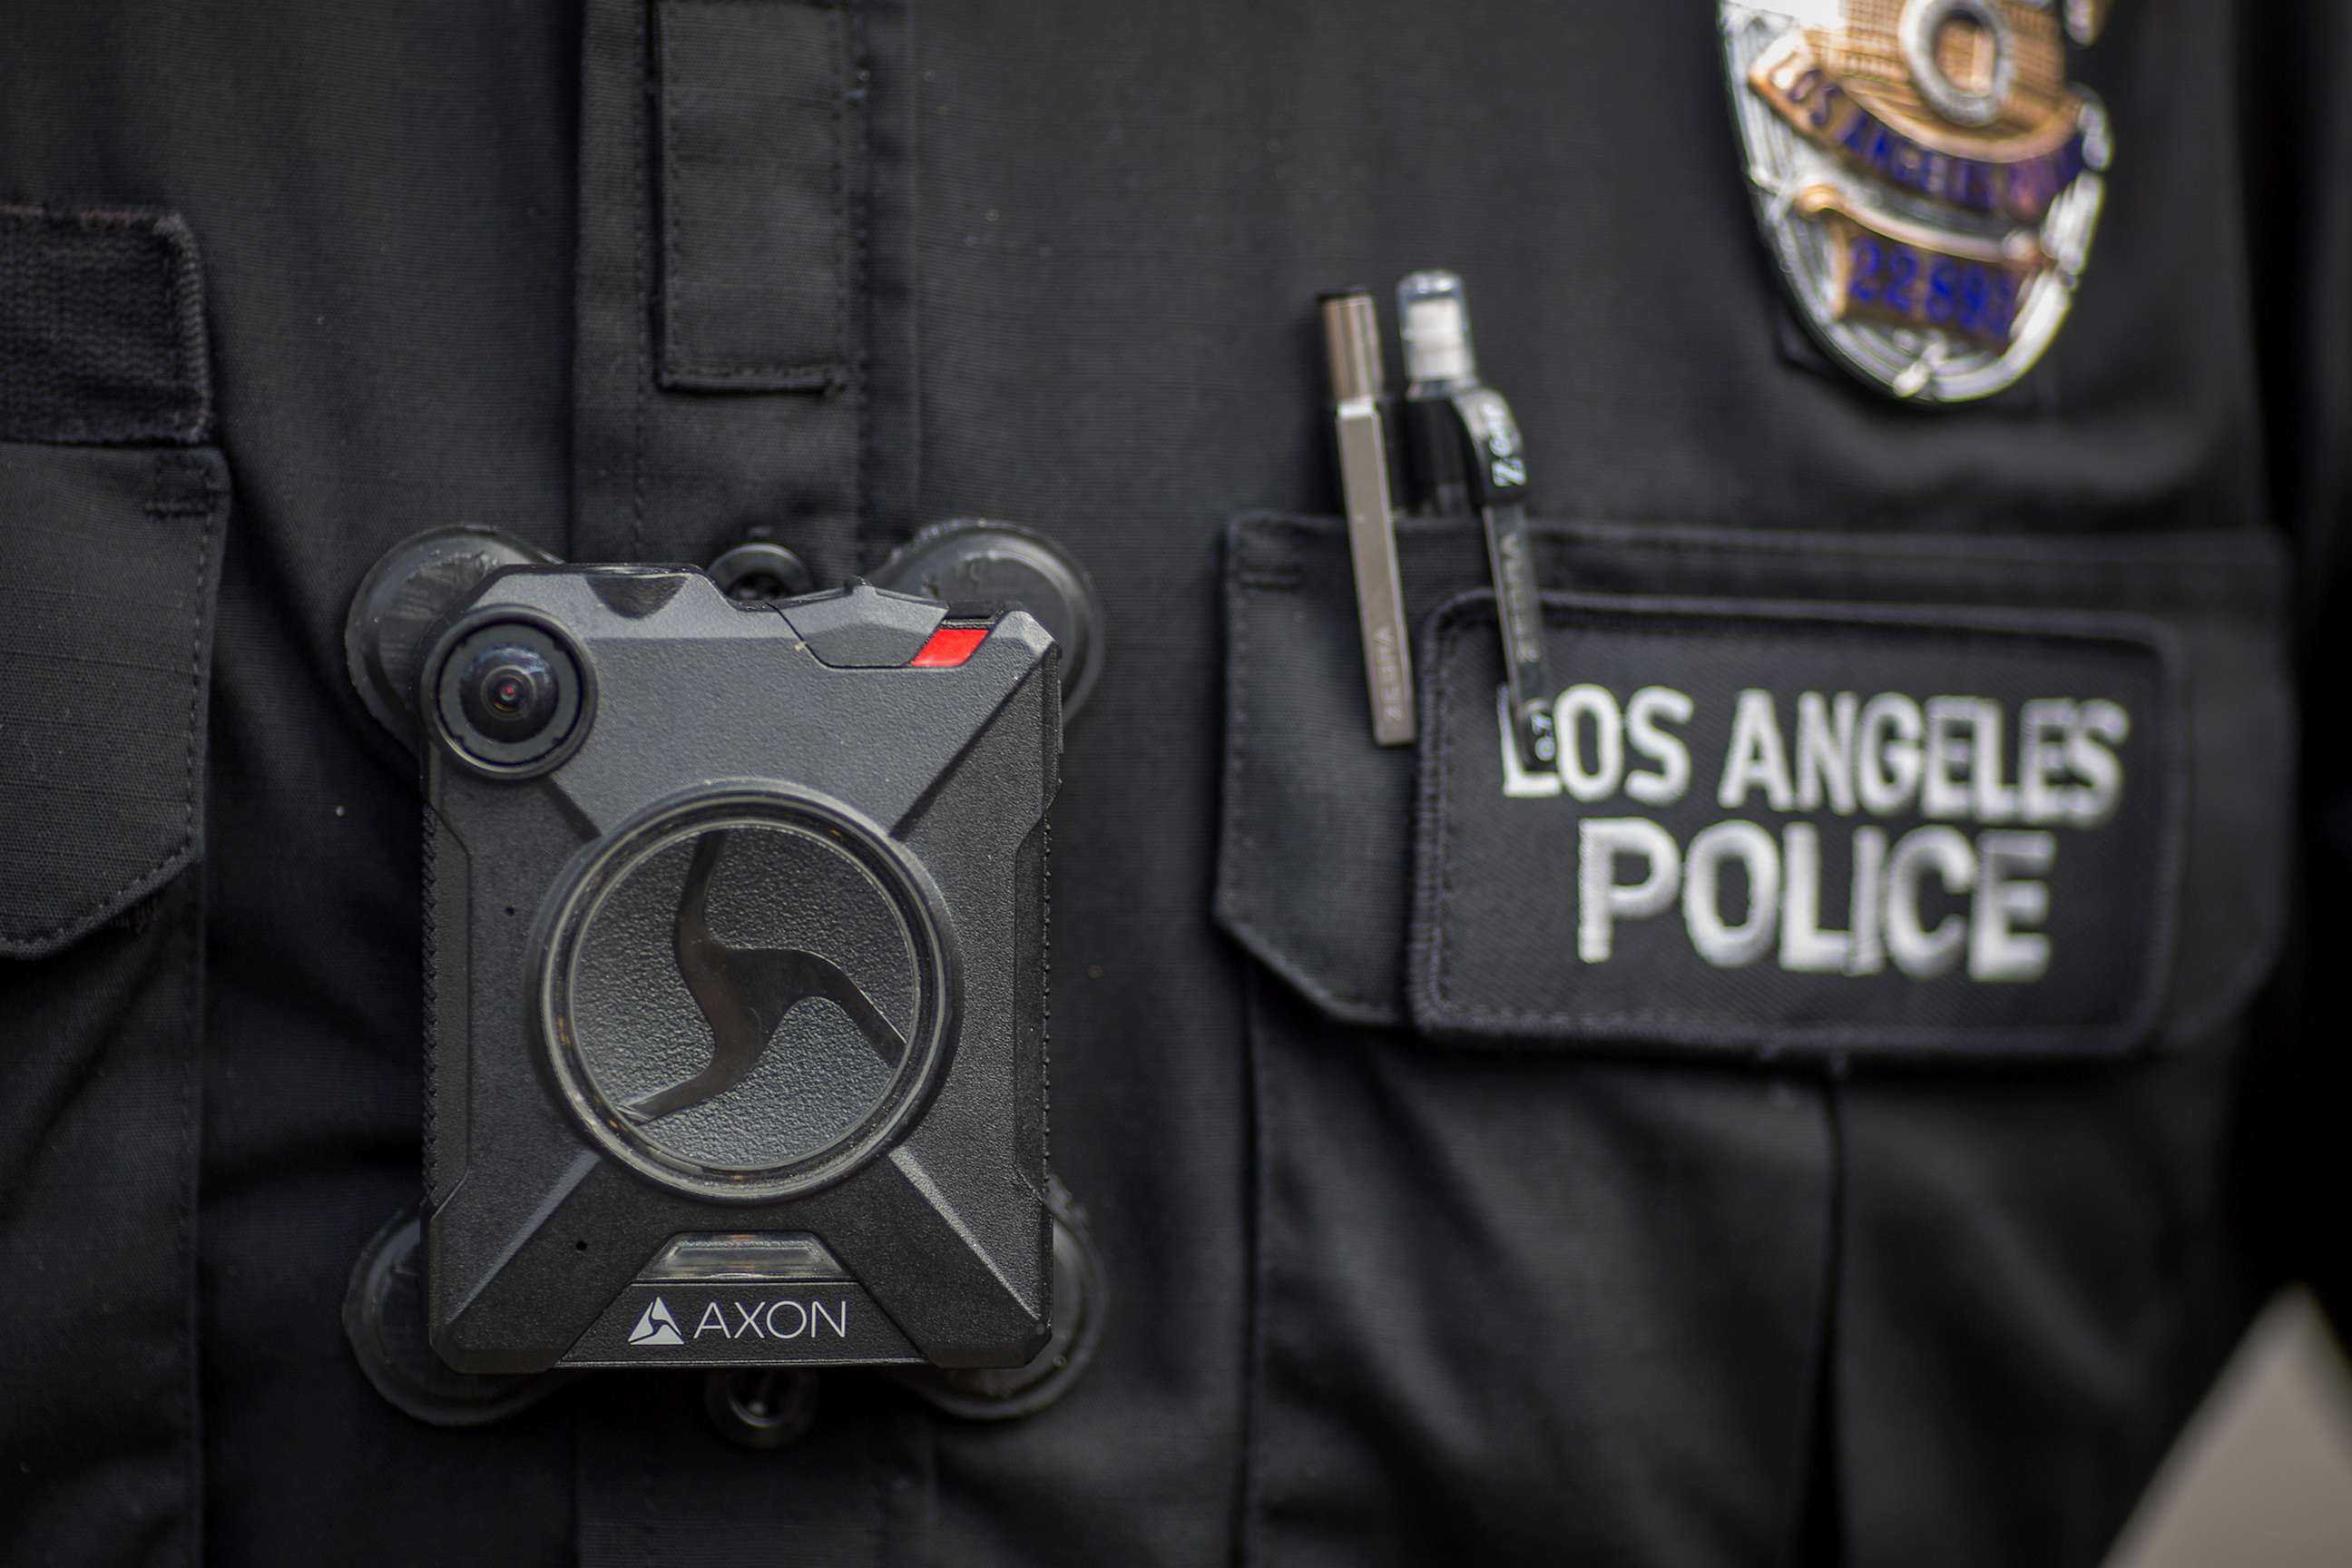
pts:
[783, 1319]
[655, 1326]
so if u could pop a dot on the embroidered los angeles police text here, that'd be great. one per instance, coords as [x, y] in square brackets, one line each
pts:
[1956, 810]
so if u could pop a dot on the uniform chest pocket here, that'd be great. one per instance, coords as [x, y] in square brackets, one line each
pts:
[1723, 1117]
[113, 504]
[1926, 800]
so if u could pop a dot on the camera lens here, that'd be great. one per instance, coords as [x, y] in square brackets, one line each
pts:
[508, 691]
[513, 698]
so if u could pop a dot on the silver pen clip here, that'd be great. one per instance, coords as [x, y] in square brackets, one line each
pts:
[1351, 337]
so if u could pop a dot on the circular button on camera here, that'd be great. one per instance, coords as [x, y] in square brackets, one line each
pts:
[748, 995]
[511, 698]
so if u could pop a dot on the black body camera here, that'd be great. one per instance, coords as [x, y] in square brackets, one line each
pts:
[735, 924]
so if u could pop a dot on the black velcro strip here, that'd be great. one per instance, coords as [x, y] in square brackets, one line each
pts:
[759, 132]
[101, 328]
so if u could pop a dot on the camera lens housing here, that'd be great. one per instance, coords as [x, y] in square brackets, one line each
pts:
[508, 691]
[510, 697]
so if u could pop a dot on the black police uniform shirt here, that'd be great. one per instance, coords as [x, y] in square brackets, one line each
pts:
[1428, 1232]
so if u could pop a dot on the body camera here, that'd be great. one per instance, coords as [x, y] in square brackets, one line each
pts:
[735, 938]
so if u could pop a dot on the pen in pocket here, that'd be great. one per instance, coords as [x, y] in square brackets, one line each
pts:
[1351, 336]
[1467, 453]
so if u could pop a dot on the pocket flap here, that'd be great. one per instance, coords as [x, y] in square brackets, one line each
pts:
[110, 524]
[2054, 772]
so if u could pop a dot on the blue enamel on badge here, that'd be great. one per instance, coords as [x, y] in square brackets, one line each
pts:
[1926, 176]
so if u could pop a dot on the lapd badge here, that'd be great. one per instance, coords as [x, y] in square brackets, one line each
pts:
[1927, 178]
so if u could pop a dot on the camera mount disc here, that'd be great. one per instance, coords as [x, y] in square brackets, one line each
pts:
[747, 995]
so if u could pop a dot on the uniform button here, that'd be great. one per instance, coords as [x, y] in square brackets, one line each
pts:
[760, 570]
[762, 1408]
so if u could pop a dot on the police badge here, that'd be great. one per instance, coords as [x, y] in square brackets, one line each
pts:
[1926, 176]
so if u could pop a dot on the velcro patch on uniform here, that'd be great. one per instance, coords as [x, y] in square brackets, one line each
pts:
[1849, 829]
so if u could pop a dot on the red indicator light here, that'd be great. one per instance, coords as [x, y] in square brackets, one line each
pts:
[949, 647]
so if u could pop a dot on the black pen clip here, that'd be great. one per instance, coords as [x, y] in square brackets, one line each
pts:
[1498, 484]
[1470, 451]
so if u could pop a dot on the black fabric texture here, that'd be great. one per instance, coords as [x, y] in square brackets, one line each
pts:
[2064, 1339]
[101, 327]
[668, 1489]
[1653, 1312]
[100, 1458]
[2297, 137]
[1485, 1253]
[111, 559]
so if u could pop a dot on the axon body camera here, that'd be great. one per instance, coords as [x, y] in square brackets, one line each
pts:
[735, 939]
